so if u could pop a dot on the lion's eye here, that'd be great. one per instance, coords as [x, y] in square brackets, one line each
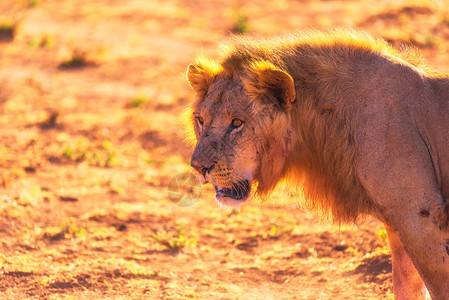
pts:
[200, 120]
[236, 123]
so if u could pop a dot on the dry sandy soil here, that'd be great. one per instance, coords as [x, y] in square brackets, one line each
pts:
[90, 98]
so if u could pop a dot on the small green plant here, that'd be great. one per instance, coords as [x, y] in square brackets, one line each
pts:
[137, 101]
[7, 31]
[44, 41]
[77, 60]
[110, 160]
[430, 40]
[174, 241]
[75, 155]
[241, 25]
[101, 159]
[82, 150]
[276, 230]
[33, 3]
[106, 144]
[68, 152]
[66, 230]
[74, 230]
[150, 161]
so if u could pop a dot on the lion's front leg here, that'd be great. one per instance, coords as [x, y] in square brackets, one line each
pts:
[407, 284]
[396, 168]
[420, 241]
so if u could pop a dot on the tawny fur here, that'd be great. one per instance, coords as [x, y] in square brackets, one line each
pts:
[329, 71]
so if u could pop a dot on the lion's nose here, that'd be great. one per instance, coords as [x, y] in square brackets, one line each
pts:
[203, 170]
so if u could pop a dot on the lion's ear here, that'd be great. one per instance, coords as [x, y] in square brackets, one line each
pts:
[198, 78]
[201, 74]
[267, 81]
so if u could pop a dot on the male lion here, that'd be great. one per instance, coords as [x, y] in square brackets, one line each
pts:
[362, 127]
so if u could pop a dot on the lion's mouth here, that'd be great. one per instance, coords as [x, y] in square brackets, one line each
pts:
[239, 191]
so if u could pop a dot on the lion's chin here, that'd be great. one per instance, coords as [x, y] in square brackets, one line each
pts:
[230, 202]
[235, 196]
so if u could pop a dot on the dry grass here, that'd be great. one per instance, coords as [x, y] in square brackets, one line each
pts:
[86, 159]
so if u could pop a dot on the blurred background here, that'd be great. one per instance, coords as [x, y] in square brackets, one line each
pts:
[92, 154]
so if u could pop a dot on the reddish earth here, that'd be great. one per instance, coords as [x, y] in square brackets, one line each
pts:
[90, 98]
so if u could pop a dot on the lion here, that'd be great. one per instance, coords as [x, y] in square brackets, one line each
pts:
[361, 126]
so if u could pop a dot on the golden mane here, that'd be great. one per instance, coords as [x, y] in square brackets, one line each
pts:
[283, 51]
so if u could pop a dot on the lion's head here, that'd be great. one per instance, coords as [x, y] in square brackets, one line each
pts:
[241, 120]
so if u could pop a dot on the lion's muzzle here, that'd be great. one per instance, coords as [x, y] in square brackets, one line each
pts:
[201, 168]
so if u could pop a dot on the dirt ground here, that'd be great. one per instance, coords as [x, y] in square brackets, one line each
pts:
[90, 139]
